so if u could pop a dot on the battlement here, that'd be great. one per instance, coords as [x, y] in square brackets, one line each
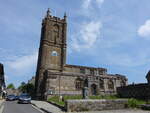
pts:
[54, 18]
[119, 76]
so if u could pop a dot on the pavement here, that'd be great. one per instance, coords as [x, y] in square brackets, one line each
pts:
[49, 108]
[1, 106]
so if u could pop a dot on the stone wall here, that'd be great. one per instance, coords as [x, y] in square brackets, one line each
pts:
[68, 83]
[84, 70]
[95, 105]
[140, 91]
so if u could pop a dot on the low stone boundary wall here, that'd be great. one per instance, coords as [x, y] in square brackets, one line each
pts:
[139, 91]
[95, 105]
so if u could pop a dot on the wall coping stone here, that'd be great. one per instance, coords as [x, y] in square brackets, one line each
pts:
[95, 104]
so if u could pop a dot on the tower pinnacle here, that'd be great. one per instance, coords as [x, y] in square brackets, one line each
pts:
[48, 12]
[65, 16]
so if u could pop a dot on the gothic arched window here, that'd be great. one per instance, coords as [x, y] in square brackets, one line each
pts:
[122, 83]
[78, 84]
[110, 84]
[101, 83]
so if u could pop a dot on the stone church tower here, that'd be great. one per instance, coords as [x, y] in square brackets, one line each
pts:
[52, 51]
[54, 76]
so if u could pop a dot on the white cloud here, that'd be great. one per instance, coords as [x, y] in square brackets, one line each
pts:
[144, 30]
[100, 1]
[126, 60]
[87, 36]
[23, 63]
[87, 3]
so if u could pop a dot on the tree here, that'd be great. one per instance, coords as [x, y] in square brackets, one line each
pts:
[27, 88]
[22, 87]
[30, 89]
[10, 86]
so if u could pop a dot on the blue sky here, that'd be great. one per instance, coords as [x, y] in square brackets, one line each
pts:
[112, 34]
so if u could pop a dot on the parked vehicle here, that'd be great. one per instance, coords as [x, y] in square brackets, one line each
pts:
[16, 97]
[10, 97]
[24, 98]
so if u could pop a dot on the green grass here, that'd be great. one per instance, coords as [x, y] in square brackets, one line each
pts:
[55, 99]
[103, 97]
[132, 103]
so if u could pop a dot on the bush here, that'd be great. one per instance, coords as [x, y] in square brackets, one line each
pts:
[134, 103]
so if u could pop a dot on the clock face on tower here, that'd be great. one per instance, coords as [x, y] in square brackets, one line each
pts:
[54, 53]
[55, 59]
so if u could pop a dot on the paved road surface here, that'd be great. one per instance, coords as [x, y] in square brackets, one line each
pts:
[14, 107]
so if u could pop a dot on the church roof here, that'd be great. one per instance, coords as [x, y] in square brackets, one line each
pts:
[78, 66]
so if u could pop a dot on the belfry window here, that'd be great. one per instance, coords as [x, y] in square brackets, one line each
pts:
[56, 32]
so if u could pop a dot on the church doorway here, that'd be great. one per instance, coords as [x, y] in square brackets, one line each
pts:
[94, 89]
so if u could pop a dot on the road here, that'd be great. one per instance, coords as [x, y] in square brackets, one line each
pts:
[14, 107]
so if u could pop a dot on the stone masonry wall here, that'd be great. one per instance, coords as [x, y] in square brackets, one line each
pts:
[140, 91]
[95, 105]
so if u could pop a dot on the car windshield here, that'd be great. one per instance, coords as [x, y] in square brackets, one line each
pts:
[25, 96]
[11, 95]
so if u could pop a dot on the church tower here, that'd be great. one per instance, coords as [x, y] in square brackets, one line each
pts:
[52, 50]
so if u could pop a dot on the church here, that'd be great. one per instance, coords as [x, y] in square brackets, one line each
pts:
[55, 77]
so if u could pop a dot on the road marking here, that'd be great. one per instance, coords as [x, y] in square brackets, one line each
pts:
[1, 109]
[36, 109]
